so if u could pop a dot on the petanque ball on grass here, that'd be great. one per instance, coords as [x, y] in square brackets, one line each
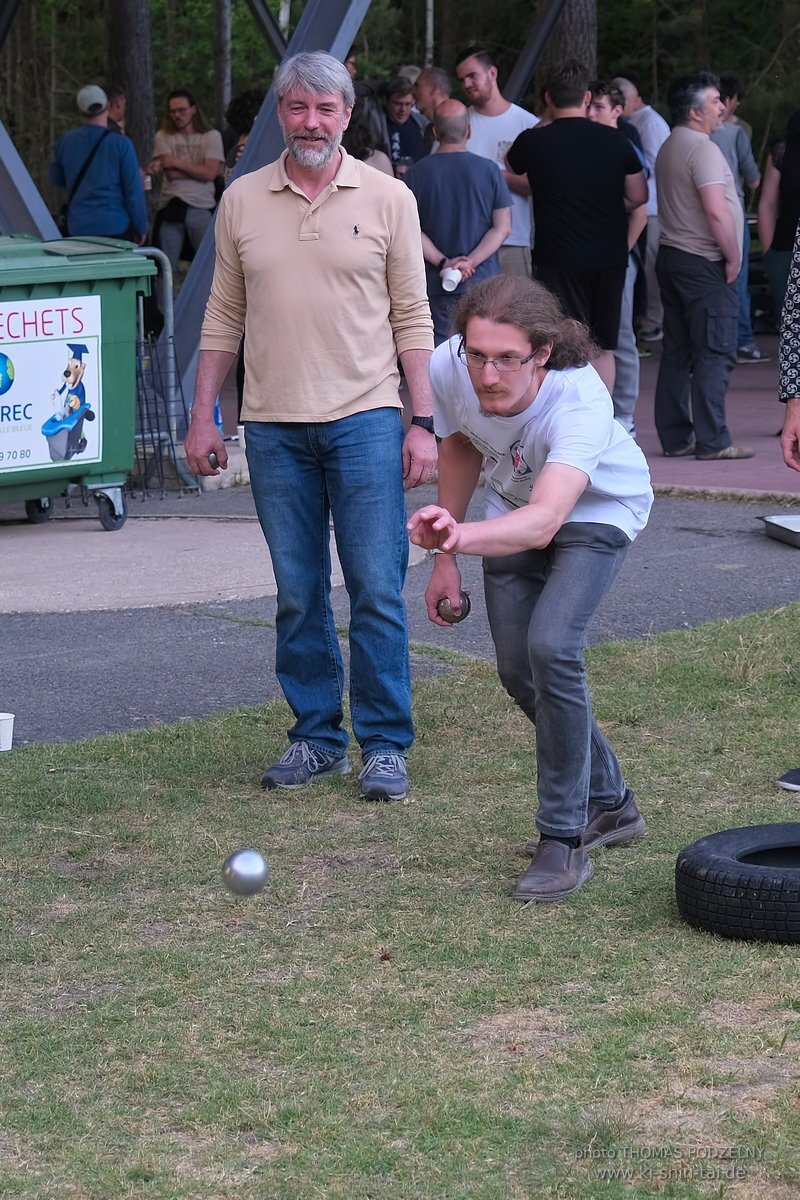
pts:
[245, 872]
[448, 613]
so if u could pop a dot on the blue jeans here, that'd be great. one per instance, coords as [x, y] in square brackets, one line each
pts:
[540, 605]
[300, 475]
[746, 341]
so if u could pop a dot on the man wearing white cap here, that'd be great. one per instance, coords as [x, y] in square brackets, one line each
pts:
[99, 170]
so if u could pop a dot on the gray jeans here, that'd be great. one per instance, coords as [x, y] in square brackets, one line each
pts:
[171, 235]
[626, 355]
[540, 605]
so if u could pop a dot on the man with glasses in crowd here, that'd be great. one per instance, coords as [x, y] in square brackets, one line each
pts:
[319, 259]
[190, 155]
[567, 491]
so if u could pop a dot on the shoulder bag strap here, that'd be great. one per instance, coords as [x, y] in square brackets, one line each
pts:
[79, 178]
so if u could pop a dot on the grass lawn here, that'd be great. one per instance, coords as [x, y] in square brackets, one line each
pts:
[384, 1021]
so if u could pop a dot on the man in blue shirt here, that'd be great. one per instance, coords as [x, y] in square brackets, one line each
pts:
[108, 200]
[464, 213]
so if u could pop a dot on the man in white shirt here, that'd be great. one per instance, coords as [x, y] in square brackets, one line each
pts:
[653, 131]
[495, 124]
[567, 492]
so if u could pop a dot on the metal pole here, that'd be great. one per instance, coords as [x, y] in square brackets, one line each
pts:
[268, 26]
[524, 69]
[22, 209]
[7, 14]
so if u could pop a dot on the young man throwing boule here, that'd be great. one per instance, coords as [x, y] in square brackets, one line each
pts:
[568, 490]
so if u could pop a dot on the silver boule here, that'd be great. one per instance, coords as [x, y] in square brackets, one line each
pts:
[448, 613]
[245, 872]
[213, 461]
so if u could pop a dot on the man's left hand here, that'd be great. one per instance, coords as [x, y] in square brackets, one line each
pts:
[420, 457]
[434, 528]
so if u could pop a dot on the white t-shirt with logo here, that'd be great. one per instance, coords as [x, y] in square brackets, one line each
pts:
[492, 137]
[570, 421]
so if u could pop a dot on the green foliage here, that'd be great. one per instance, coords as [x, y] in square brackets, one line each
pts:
[55, 46]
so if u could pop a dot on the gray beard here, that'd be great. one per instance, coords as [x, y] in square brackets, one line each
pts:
[312, 159]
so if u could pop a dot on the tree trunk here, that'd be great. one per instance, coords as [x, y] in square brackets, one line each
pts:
[222, 60]
[130, 67]
[574, 36]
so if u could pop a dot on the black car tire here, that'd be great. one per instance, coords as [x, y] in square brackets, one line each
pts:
[743, 883]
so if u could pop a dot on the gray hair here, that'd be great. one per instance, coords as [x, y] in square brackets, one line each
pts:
[686, 93]
[436, 77]
[317, 74]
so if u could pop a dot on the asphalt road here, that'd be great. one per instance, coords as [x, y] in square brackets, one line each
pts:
[73, 675]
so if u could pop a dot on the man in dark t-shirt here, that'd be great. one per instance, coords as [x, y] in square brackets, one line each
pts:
[406, 140]
[585, 179]
[464, 213]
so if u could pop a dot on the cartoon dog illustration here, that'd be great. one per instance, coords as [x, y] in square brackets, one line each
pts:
[71, 395]
[64, 430]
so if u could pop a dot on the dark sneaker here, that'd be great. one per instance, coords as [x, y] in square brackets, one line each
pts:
[751, 354]
[651, 335]
[557, 870]
[384, 777]
[728, 452]
[684, 452]
[610, 827]
[790, 782]
[301, 764]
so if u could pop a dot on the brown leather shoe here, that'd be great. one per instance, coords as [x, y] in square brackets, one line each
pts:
[608, 827]
[557, 870]
[684, 452]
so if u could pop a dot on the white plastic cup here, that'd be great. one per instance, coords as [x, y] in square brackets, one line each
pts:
[451, 278]
[6, 730]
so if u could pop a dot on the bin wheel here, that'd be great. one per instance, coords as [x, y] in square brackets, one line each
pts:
[109, 518]
[37, 511]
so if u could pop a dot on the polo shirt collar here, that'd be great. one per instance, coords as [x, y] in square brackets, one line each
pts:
[347, 175]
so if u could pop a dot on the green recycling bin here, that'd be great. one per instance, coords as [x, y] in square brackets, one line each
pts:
[68, 369]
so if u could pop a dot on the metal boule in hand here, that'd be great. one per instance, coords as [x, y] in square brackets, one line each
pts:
[453, 615]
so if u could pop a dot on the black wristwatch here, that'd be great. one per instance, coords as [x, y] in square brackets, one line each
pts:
[423, 422]
[440, 263]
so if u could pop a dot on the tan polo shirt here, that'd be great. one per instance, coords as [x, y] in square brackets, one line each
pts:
[328, 291]
[687, 162]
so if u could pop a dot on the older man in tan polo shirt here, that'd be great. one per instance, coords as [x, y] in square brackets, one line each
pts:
[319, 260]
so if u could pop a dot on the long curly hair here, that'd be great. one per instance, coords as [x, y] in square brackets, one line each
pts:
[531, 308]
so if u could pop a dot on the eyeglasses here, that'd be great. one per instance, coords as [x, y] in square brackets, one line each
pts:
[176, 112]
[505, 364]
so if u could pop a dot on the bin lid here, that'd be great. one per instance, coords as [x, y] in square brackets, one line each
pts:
[26, 260]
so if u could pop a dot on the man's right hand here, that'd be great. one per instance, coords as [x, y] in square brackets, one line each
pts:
[203, 438]
[790, 435]
[445, 581]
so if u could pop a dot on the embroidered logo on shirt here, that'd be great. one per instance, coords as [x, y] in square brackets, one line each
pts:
[521, 468]
[356, 231]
